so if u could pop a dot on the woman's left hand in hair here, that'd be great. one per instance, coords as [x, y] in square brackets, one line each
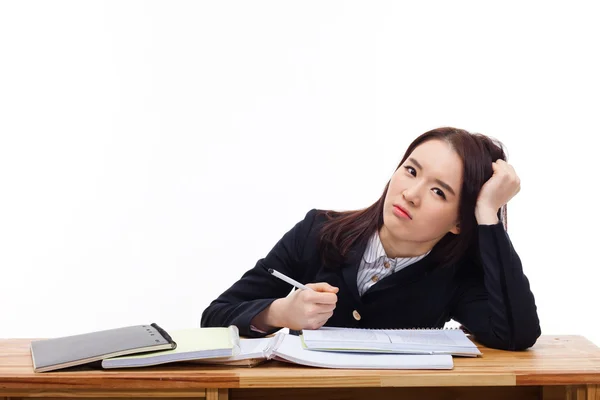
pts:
[496, 192]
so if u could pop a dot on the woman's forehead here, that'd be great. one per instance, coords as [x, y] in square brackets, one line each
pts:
[438, 159]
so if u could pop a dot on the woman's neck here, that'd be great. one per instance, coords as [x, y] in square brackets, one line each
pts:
[397, 248]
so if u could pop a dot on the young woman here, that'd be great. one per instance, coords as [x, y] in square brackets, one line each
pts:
[432, 248]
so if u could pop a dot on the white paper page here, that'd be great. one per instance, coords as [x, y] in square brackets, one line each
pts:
[251, 348]
[329, 336]
[430, 337]
[345, 335]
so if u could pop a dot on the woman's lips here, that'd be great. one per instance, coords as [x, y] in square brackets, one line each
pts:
[401, 212]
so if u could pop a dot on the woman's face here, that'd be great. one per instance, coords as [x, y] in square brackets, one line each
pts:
[421, 204]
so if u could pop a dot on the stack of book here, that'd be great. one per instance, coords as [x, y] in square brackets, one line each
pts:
[148, 345]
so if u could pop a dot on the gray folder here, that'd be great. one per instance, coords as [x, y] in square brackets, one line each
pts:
[69, 351]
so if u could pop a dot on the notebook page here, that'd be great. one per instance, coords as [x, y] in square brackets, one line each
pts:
[290, 349]
[430, 337]
[416, 341]
[347, 335]
[251, 348]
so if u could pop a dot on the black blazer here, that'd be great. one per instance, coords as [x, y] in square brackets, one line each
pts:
[493, 301]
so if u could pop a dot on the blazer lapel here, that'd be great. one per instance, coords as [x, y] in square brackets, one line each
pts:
[350, 269]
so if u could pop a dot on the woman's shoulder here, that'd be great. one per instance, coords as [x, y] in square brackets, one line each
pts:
[315, 218]
[310, 228]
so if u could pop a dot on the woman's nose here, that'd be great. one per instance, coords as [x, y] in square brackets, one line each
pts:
[411, 195]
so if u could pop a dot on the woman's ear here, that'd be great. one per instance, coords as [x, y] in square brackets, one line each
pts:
[455, 229]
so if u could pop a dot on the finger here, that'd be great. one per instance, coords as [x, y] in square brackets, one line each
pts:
[514, 175]
[321, 298]
[509, 168]
[323, 287]
[319, 322]
[496, 168]
[315, 311]
[325, 308]
[503, 166]
[312, 296]
[511, 175]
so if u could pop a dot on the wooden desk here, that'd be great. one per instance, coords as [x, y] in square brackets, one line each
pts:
[558, 367]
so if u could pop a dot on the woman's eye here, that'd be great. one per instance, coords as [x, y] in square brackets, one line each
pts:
[439, 193]
[411, 170]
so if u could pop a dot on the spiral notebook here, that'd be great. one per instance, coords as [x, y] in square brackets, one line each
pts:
[70, 351]
[290, 349]
[402, 341]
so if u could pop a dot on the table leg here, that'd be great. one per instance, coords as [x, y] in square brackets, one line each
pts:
[217, 394]
[572, 392]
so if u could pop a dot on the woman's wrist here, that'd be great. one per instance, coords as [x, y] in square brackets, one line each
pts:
[486, 216]
[270, 318]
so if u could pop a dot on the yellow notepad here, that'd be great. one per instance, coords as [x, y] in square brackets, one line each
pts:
[192, 344]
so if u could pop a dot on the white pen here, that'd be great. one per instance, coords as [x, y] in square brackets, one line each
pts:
[288, 279]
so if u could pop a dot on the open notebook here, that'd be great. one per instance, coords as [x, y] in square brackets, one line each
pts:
[288, 348]
[406, 341]
[252, 352]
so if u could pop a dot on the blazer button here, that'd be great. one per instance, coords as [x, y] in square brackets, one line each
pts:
[356, 315]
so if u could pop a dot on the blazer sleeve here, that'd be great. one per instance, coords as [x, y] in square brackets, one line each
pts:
[495, 302]
[257, 288]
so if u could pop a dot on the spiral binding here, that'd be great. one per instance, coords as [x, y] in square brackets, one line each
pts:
[413, 329]
[164, 334]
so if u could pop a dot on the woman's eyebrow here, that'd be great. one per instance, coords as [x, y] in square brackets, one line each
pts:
[441, 183]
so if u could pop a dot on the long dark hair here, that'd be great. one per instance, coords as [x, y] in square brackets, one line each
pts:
[343, 230]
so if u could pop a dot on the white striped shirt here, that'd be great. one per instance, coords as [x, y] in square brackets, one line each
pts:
[376, 265]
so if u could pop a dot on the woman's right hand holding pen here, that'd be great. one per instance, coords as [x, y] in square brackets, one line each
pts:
[302, 309]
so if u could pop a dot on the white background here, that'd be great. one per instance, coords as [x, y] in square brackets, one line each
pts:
[151, 152]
